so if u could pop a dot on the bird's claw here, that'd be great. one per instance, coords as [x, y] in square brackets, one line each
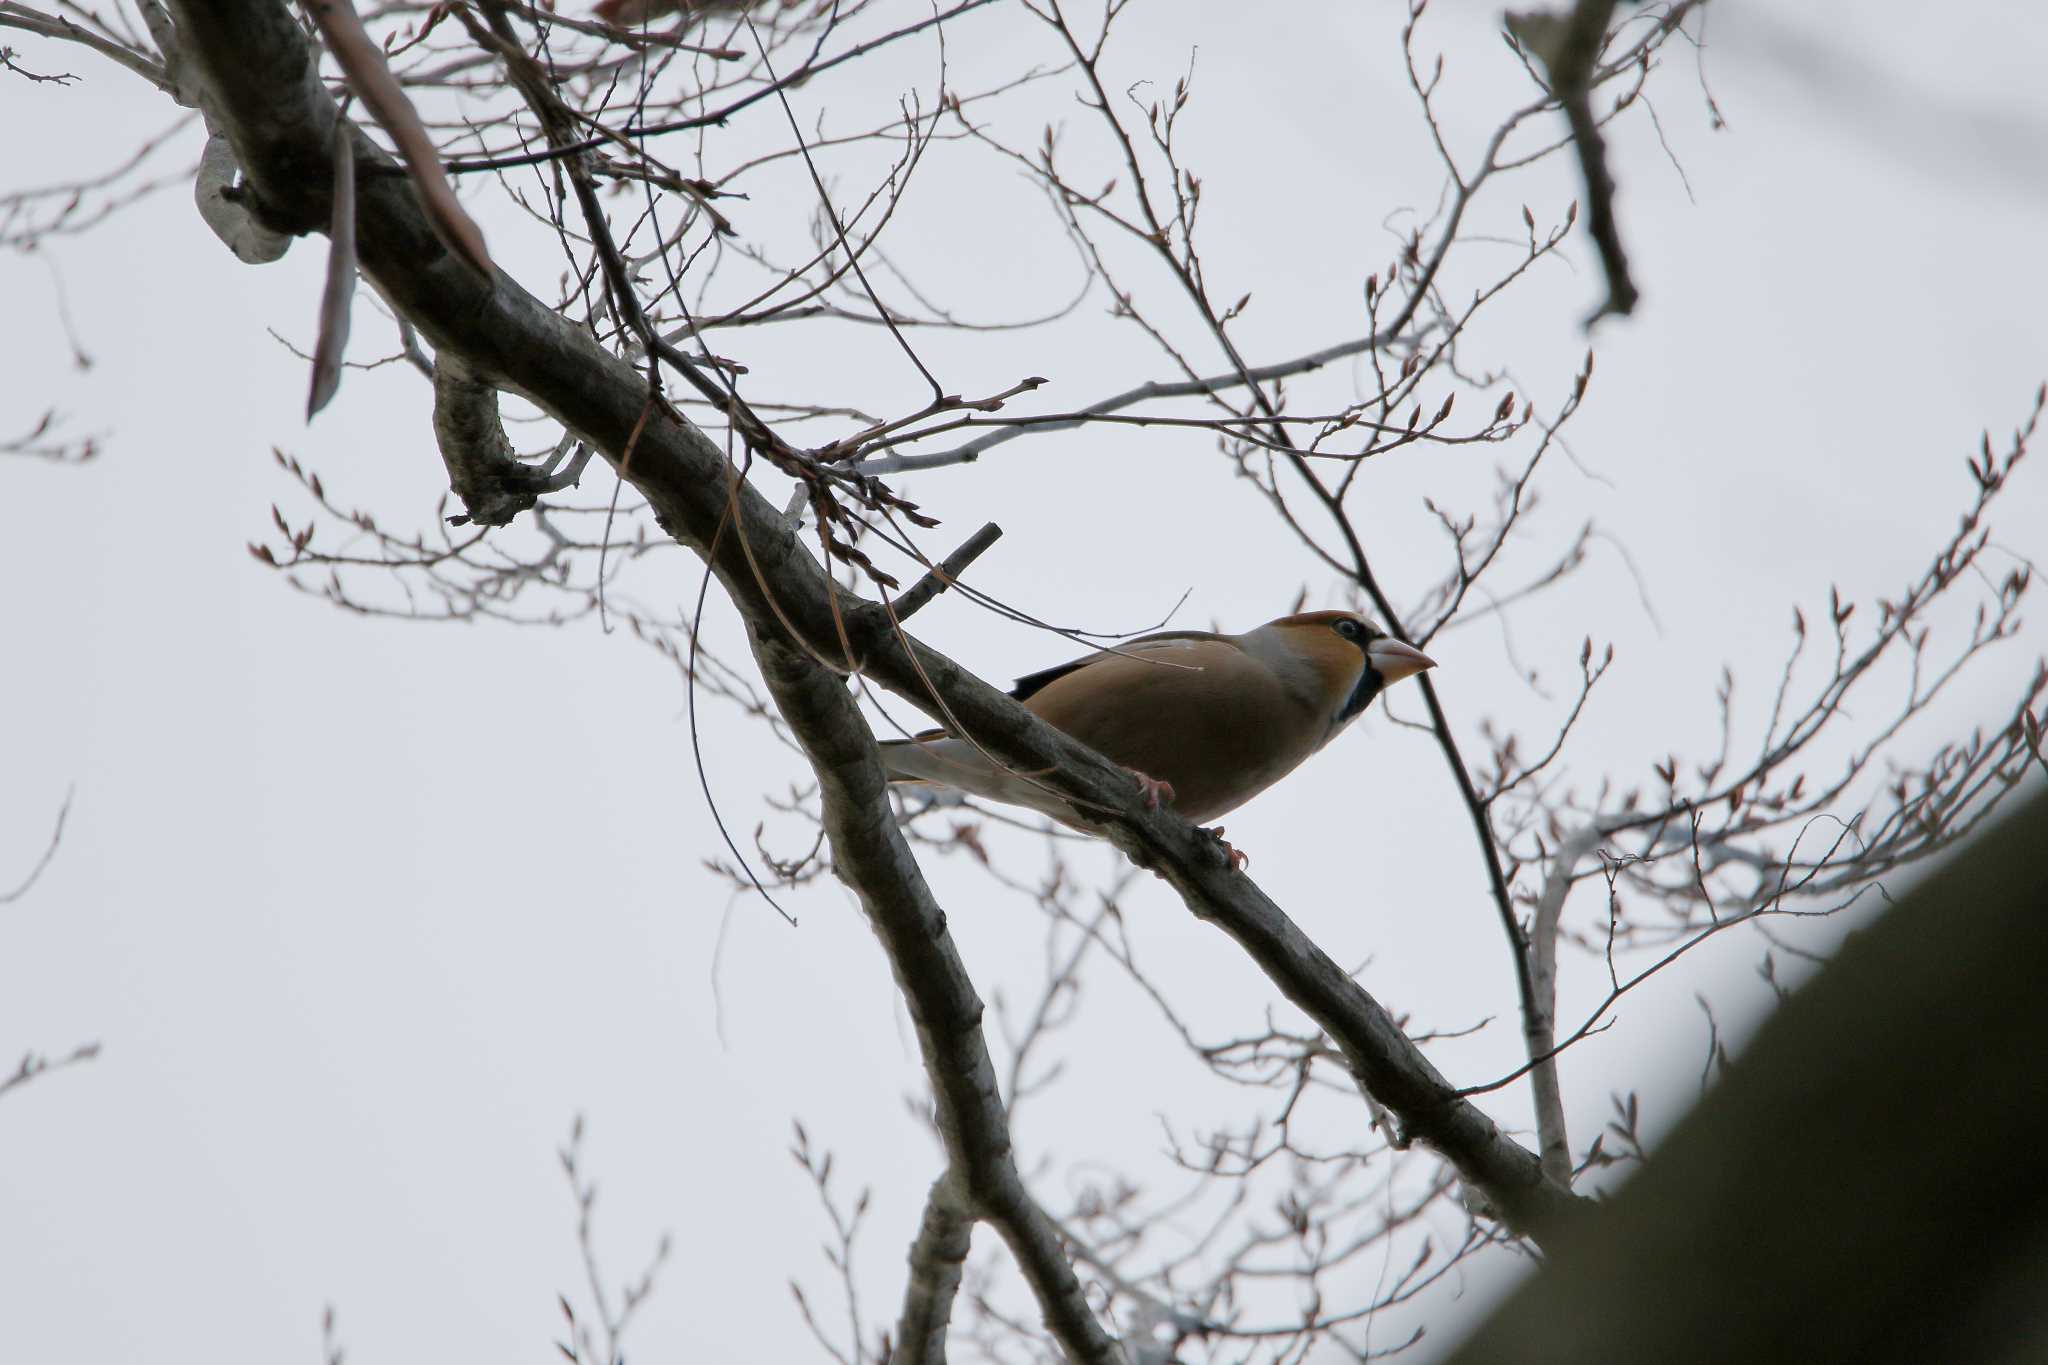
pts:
[1239, 859]
[1157, 793]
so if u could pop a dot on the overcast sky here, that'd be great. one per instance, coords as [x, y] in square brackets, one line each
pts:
[364, 912]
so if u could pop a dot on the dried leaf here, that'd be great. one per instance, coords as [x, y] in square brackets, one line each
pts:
[371, 79]
[338, 296]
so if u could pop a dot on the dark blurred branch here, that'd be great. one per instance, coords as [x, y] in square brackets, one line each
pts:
[1569, 46]
[1868, 1136]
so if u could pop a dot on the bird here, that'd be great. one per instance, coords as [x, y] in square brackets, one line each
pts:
[1205, 722]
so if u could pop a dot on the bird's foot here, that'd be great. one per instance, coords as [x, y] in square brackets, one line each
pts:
[1157, 793]
[1239, 859]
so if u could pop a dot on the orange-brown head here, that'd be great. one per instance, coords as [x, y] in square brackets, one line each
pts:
[1339, 657]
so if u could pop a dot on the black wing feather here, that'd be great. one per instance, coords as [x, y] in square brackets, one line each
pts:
[1033, 683]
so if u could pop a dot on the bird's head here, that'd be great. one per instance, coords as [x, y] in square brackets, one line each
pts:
[1348, 659]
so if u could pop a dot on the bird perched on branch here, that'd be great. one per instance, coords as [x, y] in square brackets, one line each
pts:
[1205, 722]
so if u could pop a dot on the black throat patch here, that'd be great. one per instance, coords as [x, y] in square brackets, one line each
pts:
[1369, 685]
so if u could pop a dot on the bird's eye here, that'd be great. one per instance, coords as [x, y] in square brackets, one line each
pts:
[1349, 629]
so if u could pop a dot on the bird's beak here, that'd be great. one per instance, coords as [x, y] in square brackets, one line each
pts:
[1394, 661]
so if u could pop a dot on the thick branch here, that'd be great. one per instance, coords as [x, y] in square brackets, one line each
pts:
[279, 118]
[871, 856]
[936, 1258]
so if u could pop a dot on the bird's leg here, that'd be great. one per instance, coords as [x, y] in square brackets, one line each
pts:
[1156, 792]
[1239, 860]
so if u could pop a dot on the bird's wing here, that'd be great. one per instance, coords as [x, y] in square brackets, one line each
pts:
[1200, 714]
[1036, 682]
[1196, 649]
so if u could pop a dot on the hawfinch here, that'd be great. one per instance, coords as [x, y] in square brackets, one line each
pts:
[1204, 721]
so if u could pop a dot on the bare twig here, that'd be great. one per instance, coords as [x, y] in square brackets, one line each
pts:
[947, 571]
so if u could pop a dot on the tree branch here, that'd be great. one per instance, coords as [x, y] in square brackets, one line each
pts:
[870, 855]
[57, 26]
[936, 1258]
[483, 471]
[947, 571]
[273, 107]
[1569, 46]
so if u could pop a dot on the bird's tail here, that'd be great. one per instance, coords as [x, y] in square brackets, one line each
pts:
[917, 760]
[946, 760]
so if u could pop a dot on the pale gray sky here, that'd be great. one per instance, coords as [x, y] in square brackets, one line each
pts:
[364, 912]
